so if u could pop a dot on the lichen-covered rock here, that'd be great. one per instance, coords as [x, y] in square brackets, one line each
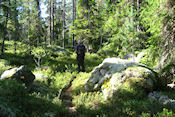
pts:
[162, 99]
[21, 74]
[133, 78]
[105, 71]
[115, 73]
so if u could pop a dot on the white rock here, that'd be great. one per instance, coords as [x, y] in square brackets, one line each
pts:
[9, 73]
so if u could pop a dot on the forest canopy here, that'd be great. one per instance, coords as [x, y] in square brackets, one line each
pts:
[110, 27]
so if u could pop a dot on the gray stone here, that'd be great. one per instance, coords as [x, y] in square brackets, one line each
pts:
[162, 99]
[113, 72]
[103, 72]
[21, 74]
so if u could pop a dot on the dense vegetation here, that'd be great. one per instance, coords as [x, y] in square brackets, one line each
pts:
[108, 28]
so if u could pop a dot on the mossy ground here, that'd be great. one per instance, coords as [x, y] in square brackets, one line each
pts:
[42, 100]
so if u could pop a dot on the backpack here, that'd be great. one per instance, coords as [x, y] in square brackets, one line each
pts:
[80, 49]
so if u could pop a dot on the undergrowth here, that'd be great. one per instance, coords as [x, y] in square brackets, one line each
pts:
[57, 68]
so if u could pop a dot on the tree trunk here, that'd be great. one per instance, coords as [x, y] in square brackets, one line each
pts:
[59, 20]
[53, 17]
[63, 33]
[133, 31]
[138, 14]
[101, 41]
[6, 11]
[29, 23]
[50, 22]
[16, 25]
[38, 22]
[73, 19]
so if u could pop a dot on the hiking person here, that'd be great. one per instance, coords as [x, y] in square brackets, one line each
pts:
[80, 51]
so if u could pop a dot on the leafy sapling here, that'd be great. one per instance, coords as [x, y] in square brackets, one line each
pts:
[38, 53]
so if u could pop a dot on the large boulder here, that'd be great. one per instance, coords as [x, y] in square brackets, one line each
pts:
[21, 74]
[115, 73]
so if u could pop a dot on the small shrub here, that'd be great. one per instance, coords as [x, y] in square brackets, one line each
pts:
[165, 113]
[38, 53]
[11, 90]
[148, 59]
[62, 79]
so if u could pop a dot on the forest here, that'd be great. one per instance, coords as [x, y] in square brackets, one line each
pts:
[129, 58]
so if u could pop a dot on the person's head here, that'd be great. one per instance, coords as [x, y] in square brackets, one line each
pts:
[79, 42]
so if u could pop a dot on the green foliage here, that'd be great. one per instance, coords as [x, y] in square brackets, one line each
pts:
[64, 78]
[88, 100]
[10, 87]
[38, 52]
[169, 68]
[4, 65]
[165, 113]
[111, 27]
[92, 60]
[78, 83]
[121, 32]
[167, 74]
[13, 95]
[16, 101]
[148, 59]
[87, 26]
[6, 112]
[42, 100]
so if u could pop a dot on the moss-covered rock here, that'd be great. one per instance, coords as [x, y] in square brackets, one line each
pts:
[115, 73]
[135, 79]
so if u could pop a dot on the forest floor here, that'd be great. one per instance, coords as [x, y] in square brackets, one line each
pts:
[61, 69]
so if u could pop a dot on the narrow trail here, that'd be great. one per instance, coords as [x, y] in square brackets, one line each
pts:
[66, 97]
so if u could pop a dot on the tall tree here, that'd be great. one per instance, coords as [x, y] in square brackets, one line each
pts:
[88, 24]
[6, 10]
[50, 22]
[53, 20]
[16, 23]
[39, 27]
[73, 18]
[63, 33]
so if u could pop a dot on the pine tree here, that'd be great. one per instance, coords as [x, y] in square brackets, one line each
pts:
[87, 26]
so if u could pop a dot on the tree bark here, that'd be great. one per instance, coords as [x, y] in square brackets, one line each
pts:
[6, 11]
[16, 23]
[63, 33]
[59, 20]
[50, 22]
[29, 23]
[38, 22]
[73, 19]
[53, 17]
